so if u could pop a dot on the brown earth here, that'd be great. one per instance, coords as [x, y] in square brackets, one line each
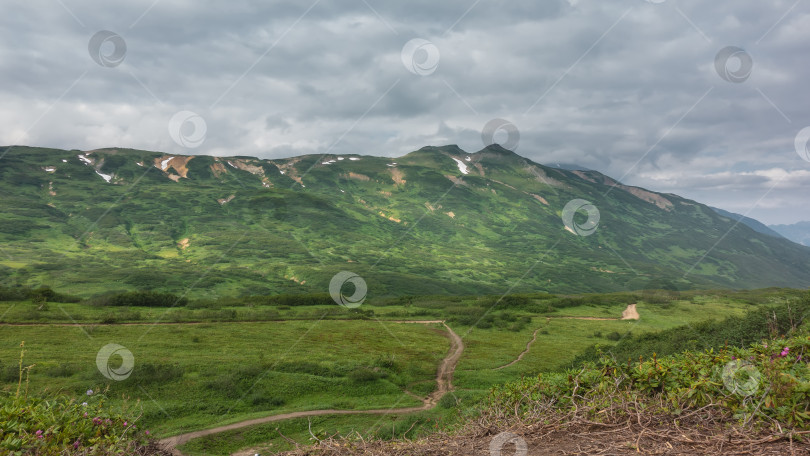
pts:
[691, 437]
[357, 176]
[630, 313]
[178, 162]
[397, 176]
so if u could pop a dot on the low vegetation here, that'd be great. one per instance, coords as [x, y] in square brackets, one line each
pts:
[45, 425]
[750, 399]
[256, 356]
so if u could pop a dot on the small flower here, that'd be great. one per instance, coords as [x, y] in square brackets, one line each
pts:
[785, 352]
[76, 444]
[125, 423]
[89, 392]
[147, 432]
[84, 404]
[39, 434]
[733, 357]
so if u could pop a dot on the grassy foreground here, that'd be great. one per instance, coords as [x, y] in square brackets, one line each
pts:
[86, 425]
[193, 375]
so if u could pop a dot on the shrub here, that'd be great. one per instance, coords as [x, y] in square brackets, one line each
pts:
[147, 373]
[58, 425]
[364, 374]
[260, 399]
[60, 370]
[138, 299]
[448, 401]
[768, 382]
[756, 325]
[41, 294]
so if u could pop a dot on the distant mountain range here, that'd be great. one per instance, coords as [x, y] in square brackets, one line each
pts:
[754, 224]
[797, 232]
[437, 220]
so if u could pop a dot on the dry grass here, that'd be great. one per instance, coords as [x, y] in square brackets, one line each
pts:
[624, 428]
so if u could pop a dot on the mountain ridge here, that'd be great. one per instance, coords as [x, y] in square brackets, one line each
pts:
[798, 232]
[752, 223]
[436, 220]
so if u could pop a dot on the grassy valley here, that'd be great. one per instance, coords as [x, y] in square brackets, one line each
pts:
[210, 363]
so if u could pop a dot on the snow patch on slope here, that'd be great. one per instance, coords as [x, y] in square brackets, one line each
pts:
[165, 163]
[106, 177]
[461, 166]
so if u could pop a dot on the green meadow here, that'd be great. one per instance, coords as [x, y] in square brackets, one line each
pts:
[215, 363]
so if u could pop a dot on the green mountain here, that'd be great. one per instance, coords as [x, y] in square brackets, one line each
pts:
[437, 220]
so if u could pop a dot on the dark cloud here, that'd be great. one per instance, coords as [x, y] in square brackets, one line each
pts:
[629, 88]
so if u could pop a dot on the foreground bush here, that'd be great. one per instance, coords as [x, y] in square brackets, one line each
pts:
[767, 383]
[60, 425]
[756, 325]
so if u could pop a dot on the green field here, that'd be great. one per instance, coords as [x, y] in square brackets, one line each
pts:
[208, 370]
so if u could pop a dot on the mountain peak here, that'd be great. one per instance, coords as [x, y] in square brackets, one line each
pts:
[496, 148]
[449, 148]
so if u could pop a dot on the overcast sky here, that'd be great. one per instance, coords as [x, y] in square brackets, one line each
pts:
[630, 88]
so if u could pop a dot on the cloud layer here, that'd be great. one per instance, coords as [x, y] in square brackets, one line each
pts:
[627, 88]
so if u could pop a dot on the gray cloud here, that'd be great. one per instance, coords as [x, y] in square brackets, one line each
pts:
[628, 88]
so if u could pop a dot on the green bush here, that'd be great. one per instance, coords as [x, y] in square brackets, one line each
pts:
[148, 373]
[290, 300]
[756, 325]
[63, 425]
[260, 399]
[767, 381]
[448, 401]
[41, 294]
[60, 370]
[139, 299]
[365, 374]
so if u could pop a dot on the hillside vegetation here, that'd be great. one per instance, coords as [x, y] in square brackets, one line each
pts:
[436, 221]
[208, 363]
[749, 399]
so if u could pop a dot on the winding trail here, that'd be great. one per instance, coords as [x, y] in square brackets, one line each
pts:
[520, 356]
[444, 382]
[630, 313]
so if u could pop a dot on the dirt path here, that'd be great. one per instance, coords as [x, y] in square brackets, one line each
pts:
[630, 313]
[520, 356]
[444, 382]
